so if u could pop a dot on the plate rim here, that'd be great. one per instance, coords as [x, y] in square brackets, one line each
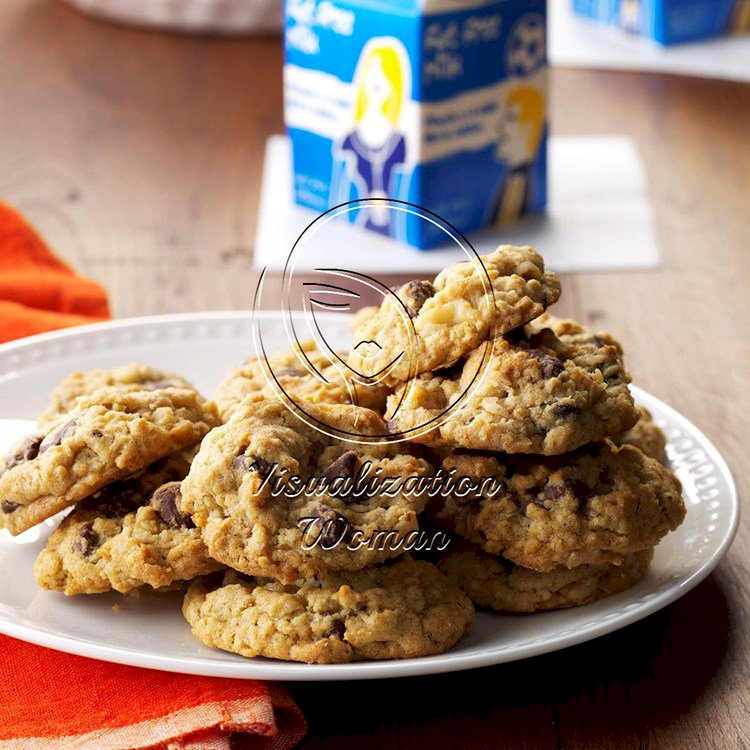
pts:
[444, 663]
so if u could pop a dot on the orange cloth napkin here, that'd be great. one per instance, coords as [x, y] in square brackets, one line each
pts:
[50, 700]
[38, 292]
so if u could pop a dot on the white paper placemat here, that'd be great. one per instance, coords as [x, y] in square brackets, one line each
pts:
[582, 43]
[599, 218]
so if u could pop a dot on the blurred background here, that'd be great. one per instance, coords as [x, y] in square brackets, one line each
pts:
[138, 153]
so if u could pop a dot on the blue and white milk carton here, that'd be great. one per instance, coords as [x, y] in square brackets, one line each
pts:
[440, 103]
[670, 21]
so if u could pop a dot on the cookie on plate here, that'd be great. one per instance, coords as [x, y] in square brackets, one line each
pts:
[646, 436]
[400, 610]
[109, 435]
[547, 388]
[129, 534]
[492, 582]
[362, 316]
[425, 326]
[64, 395]
[595, 505]
[255, 490]
[306, 374]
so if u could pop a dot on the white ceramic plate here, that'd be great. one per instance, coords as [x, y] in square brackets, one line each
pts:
[149, 631]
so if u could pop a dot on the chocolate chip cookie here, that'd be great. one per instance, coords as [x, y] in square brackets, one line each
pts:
[64, 395]
[492, 582]
[546, 388]
[425, 325]
[400, 610]
[129, 534]
[646, 436]
[280, 497]
[304, 373]
[108, 435]
[595, 505]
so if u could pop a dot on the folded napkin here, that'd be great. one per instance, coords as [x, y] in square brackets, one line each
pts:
[38, 292]
[55, 701]
[51, 700]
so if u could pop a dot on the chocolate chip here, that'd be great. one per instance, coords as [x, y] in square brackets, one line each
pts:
[564, 411]
[26, 450]
[253, 462]
[334, 527]
[415, 294]
[343, 468]
[55, 438]
[551, 366]
[290, 371]
[336, 630]
[553, 491]
[87, 540]
[8, 507]
[165, 503]
[97, 433]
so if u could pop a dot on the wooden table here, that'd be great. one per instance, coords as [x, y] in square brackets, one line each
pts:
[139, 156]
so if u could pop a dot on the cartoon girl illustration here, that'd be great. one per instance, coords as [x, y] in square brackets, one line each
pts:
[630, 16]
[368, 160]
[521, 129]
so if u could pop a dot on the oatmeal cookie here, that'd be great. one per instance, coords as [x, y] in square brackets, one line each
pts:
[399, 610]
[250, 525]
[64, 395]
[305, 374]
[595, 505]
[492, 582]
[127, 535]
[362, 316]
[109, 435]
[530, 391]
[645, 436]
[426, 325]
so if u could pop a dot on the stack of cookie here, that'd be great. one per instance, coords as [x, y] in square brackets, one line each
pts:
[538, 409]
[115, 444]
[260, 501]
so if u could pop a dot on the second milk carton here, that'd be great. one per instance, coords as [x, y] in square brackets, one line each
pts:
[439, 103]
[670, 21]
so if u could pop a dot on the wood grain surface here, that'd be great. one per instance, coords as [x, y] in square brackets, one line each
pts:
[139, 157]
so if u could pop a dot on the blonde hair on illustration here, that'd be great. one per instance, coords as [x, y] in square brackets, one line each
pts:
[391, 65]
[530, 102]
